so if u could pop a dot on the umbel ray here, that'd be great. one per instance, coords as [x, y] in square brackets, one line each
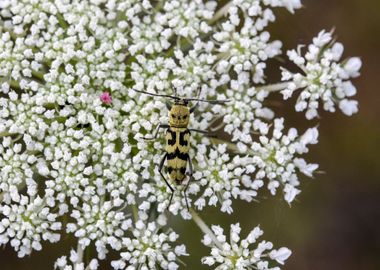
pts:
[177, 138]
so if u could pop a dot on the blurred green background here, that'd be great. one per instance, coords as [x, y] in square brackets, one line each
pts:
[335, 223]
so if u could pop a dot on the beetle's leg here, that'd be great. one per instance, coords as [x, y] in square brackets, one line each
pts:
[203, 132]
[188, 182]
[168, 106]
[161, 166]
[192, 109]
[199, 131]
[156, 132]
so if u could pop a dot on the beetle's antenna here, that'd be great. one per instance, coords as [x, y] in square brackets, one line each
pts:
[199, 92]
[156, 95]
[212, 101]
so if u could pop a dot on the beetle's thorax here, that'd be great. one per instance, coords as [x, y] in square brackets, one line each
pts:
[179, 116]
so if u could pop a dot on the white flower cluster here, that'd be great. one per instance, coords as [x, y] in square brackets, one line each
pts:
[72, 154]
[221, 177]
[187, 19]
[16, 171]
[99, 224]
[150, 248]
[75, 262]
[246, 50]
[324, 77]
[277, 159]
[26, 224]
[238, 254]
[246, 113]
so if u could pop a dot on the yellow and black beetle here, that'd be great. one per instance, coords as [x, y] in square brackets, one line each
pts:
[177, 139]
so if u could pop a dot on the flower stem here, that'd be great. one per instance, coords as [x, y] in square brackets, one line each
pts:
[273, 87]
[80, 256]
[62, 21]
[221, 12]
[38, 74]
[231, 146]
[6, 134]
[135, 213]
[204, 228]
[14, 84]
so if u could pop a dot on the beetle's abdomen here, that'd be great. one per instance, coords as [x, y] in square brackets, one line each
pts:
[177, 148]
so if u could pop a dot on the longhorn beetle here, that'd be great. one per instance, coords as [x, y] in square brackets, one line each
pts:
[177, 139]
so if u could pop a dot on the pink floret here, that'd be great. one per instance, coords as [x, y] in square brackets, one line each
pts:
[106, 98]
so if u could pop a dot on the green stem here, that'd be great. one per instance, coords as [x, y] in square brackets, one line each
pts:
[230, 145]
[220, 13]
[159, 6]
[6, 134]
[17, 138]
[14, 84]
[37, 74]
[80, 256]
[274, 87]
[62, 21]
[135, 213]
[204, 228]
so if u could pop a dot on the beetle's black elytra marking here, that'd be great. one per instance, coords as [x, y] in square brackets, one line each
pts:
[182, 140]
[173, 139]
[178, 154]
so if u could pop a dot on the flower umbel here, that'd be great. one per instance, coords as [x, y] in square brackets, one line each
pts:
[324, 78]
[240, 254]
[72, 155]
[148, 247]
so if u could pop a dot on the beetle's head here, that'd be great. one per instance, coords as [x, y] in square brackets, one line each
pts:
[179, 114]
